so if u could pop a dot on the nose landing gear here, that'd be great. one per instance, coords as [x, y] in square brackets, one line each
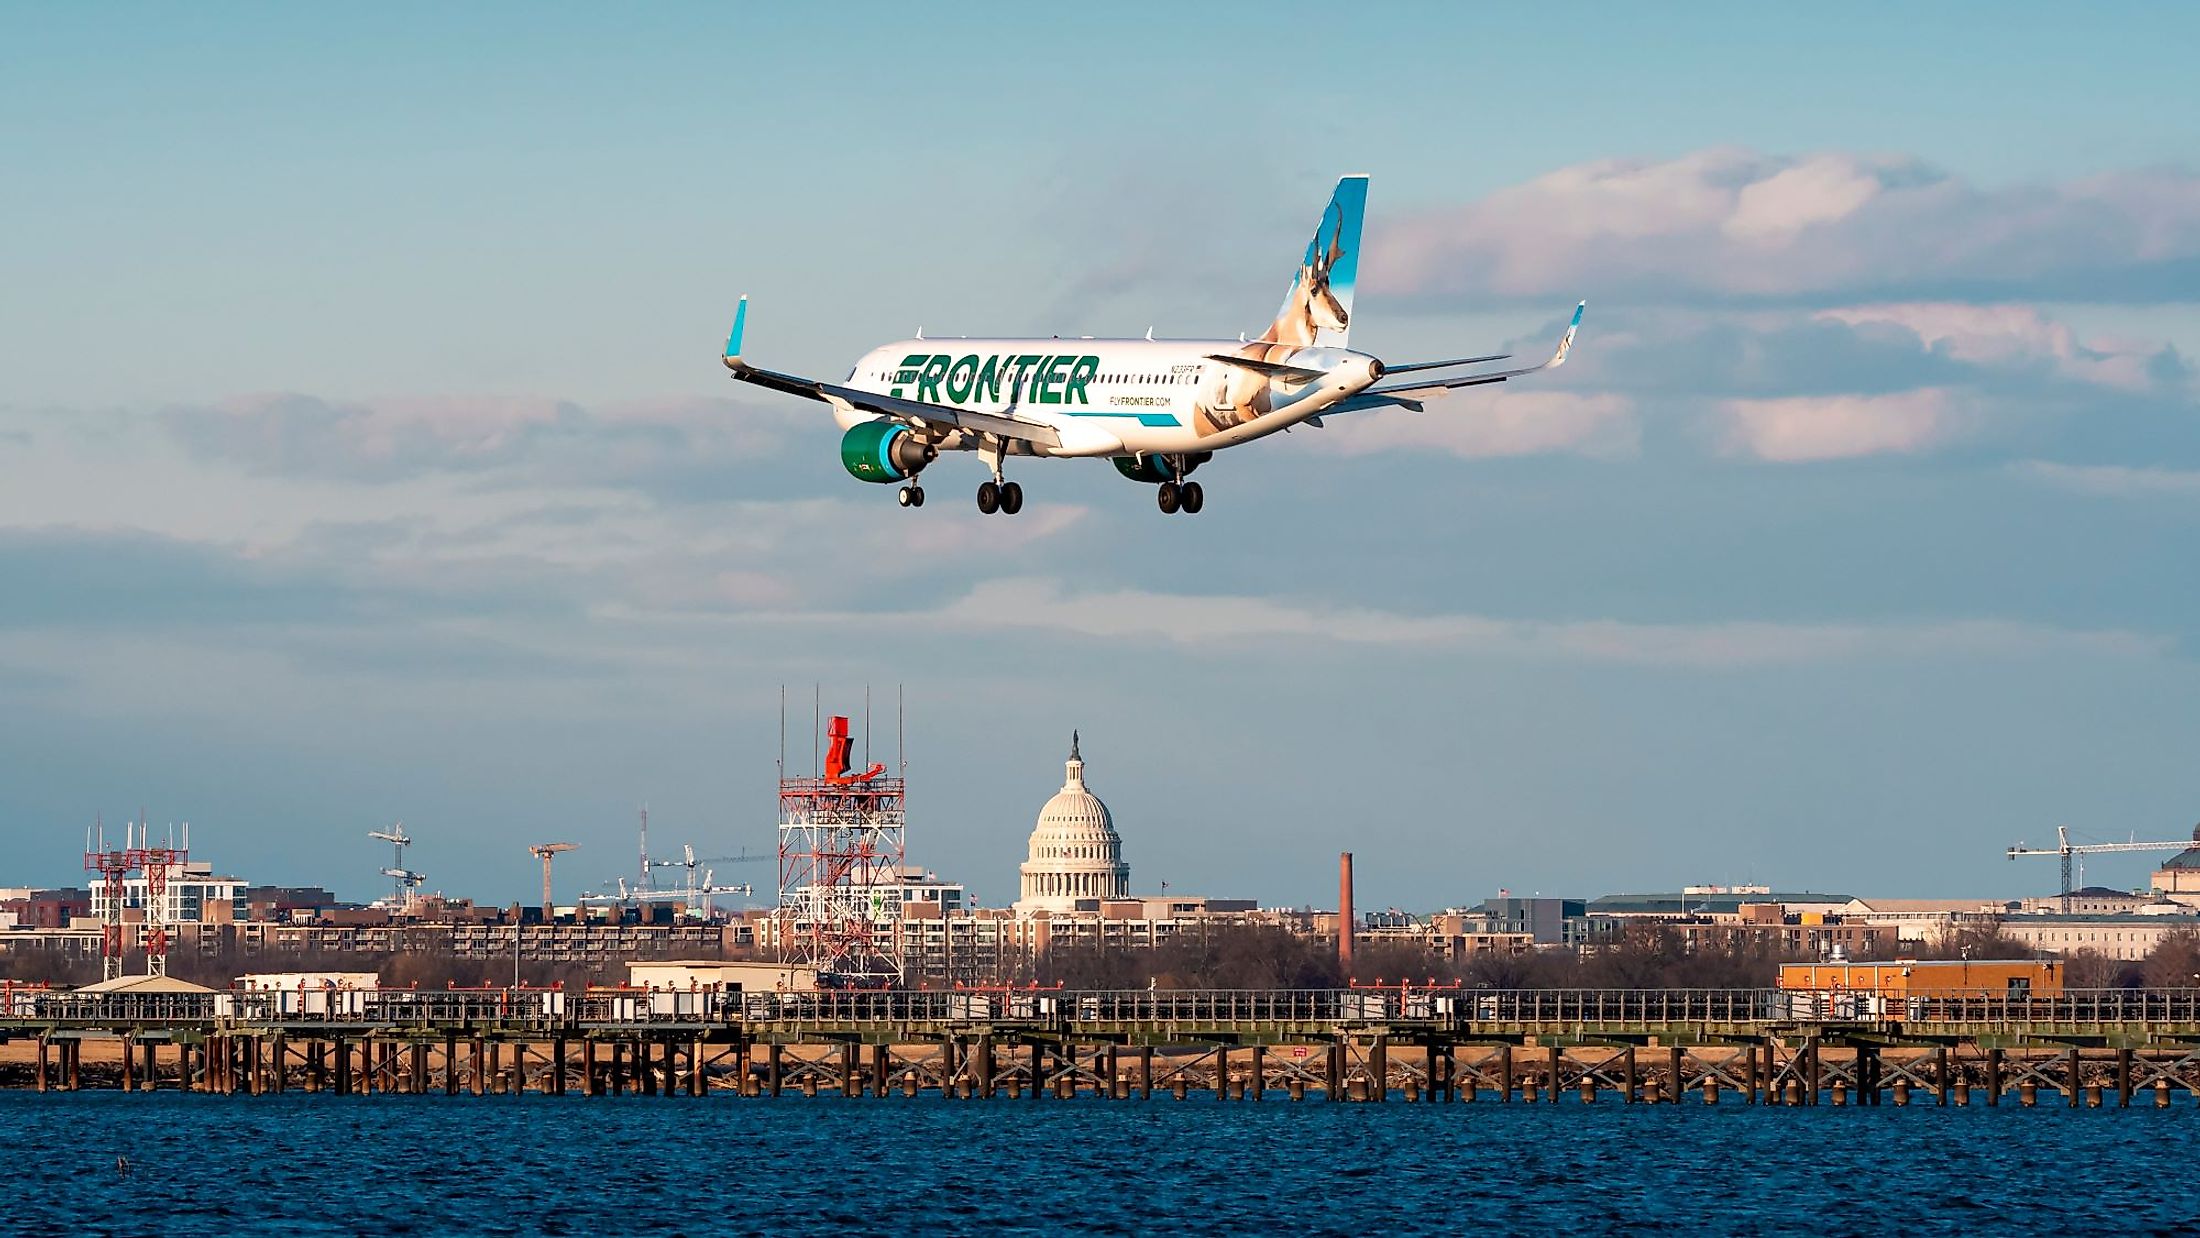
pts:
[911, 495]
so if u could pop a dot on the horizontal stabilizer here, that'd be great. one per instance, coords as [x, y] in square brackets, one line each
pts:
[1273, 369]
[1411, 366]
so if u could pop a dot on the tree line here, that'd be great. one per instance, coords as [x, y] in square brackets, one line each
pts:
[1643, 956]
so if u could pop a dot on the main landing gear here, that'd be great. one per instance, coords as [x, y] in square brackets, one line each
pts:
[1005, 497]
[1184, 497]
[911, 495]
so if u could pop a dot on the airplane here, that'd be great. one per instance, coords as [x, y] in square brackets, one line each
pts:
[1157, 409]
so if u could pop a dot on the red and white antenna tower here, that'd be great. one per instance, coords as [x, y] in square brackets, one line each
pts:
[840, 855]
[114, 868]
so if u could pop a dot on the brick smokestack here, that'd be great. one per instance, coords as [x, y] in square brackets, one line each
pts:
[1344, 912]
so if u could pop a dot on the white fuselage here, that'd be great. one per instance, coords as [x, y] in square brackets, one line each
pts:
[1113, 397]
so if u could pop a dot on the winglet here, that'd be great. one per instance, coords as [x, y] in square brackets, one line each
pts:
[733, 338]
[1566, 341]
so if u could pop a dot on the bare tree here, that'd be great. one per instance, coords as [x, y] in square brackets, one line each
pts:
[2174, 963]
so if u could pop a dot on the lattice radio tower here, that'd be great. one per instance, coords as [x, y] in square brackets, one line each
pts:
[840, 854]
[114, 868]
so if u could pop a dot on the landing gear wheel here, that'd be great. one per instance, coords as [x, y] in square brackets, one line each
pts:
[1012, 498]
[989, 498]
[1168, 497]
[1192, 497]
[911, 495]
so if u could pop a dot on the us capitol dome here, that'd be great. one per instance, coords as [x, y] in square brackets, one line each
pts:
[1076, 855]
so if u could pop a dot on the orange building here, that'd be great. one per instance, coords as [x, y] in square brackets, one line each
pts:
[2013, 978]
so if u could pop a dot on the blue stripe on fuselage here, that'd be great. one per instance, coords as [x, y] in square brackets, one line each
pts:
[1149, 420]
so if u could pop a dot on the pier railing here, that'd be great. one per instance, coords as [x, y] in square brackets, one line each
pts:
[1582, 1010]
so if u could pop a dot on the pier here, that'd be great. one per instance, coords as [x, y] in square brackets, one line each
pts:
[2094, 1048]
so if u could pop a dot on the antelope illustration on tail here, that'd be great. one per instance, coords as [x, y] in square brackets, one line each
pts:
[1317, 311]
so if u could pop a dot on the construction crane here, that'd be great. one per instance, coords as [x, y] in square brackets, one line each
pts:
[698, 891]
[688, 861]
[697, 897]
[408, 881]
[2068, 851]
[547, 852]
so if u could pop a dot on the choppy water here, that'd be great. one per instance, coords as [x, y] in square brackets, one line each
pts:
[297, 1164]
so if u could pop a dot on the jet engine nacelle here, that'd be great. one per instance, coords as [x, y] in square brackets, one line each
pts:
[1153, 470]
[883, 451]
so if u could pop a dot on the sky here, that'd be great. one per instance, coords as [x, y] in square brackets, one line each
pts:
[365, 454]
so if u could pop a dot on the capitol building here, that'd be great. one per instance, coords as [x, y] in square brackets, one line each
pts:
[1076, 856]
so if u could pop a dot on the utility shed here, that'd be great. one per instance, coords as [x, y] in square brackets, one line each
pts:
[726, 977]
[145, 986]
[2017, 978]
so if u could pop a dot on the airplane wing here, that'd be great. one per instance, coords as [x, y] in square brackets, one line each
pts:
[918, 413]
[1412, 394]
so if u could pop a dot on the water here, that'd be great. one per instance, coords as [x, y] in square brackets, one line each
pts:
[297, 1164]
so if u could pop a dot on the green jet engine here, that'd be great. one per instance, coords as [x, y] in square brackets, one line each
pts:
[883, 451]
[1153, 470]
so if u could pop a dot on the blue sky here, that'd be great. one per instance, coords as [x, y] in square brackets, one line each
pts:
[363, 453]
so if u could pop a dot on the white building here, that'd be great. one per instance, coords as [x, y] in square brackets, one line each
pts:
[904, 886]
[1075, 855]
[193, 895]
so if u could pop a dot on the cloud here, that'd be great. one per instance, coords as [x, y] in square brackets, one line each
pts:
[640, 445]
[1209, 623]
[2021, 337]
[1727, 225]
[2114, 481]
[1472, 425]
[1801, 428]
